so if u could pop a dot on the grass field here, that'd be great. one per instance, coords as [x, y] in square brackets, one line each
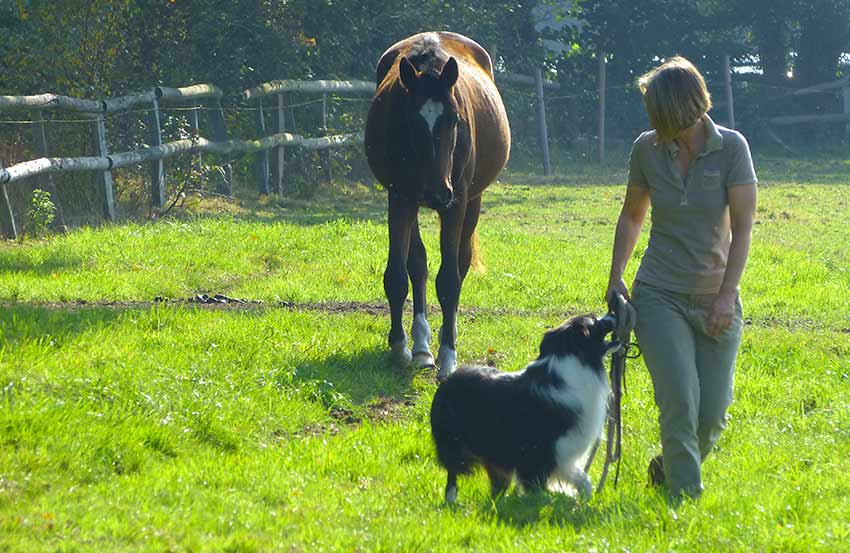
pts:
[129, 425]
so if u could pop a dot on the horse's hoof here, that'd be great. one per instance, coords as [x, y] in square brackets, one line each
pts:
[447, 360]
[424, 360]
[401, 353]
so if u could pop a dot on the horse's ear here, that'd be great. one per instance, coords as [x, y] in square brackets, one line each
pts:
[449, 73]
[407, 73]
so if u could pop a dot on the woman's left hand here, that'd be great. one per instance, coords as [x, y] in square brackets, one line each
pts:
[721, 313]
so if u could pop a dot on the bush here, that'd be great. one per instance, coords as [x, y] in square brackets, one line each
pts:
[39, 215]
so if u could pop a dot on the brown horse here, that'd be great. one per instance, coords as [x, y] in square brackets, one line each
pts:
[437, 135]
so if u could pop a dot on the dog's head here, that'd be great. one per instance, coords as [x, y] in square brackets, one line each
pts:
[583, 337]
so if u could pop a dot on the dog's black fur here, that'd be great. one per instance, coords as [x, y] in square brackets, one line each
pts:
[512, 423]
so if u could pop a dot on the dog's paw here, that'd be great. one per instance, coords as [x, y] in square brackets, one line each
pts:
[451, 495]
[585, 488]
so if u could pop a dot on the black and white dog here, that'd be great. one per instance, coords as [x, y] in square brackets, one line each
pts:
[536, 424]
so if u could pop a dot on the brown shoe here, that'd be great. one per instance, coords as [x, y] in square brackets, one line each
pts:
[656, 471]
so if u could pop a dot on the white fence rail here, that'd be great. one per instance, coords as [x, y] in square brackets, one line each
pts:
[270, 96]
[209, 95]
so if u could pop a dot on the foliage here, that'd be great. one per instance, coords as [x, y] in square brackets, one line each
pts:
[40, 214]
[100, 48]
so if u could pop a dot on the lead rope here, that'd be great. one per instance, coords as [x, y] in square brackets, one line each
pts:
[626, 318]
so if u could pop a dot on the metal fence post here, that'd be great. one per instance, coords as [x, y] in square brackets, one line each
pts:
[262, 159]
[40, 138]
[196, 132]
[219, 131]
[603, 87]
[730, 101]
[7, 217]
[541, 116]
[157, 166]
[279, 165]
[105, 176]
[328, 169]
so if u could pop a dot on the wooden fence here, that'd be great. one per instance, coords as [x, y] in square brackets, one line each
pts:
[841, 86]
[268, 96]
[196, 96]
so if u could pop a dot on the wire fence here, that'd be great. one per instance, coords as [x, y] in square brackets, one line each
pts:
[573, 128]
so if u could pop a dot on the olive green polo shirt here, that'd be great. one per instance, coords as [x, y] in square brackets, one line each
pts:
[690, 235]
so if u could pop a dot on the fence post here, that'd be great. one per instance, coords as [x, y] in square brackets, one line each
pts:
[219, 131]
[7, 218]
[279, 166]
[328, 169]
[541, 117]
[157, 166]
[196, 132]
[40, 138]
[262, 159]
[845, 100]
[105, 176]
[730, 101]
[603, 87]
[296, 155]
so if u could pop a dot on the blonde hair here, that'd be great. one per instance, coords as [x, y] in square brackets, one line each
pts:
[675, 97]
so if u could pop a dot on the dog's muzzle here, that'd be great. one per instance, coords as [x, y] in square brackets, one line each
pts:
[607, 325]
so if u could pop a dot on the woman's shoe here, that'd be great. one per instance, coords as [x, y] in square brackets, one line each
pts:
[656, 471]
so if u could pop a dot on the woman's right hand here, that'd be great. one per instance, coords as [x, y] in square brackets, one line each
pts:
[616, 286]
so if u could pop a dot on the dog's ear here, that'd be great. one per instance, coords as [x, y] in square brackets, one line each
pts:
[553, 342]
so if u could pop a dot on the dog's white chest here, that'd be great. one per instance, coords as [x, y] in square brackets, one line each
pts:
[586, 392]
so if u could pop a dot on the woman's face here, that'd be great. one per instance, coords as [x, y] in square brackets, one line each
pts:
[684, 133]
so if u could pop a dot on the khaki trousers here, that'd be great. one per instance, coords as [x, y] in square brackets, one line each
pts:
[692, 375]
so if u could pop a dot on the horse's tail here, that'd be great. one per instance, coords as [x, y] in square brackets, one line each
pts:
[477, 263]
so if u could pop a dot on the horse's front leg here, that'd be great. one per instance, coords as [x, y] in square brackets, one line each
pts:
[417, 267]
[400, 220]
[448, 286]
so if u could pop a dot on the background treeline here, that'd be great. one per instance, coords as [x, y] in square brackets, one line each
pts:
[99, 48]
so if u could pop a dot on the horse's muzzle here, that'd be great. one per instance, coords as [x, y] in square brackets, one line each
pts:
[439, 198]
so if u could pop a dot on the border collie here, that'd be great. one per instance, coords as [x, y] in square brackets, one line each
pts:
[536, 424]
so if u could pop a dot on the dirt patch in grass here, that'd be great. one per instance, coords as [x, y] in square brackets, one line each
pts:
[223, 303]
[383, 409]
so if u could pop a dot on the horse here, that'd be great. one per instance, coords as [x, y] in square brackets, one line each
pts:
[436, 136]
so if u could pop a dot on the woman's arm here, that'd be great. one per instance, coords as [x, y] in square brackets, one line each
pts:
[626, 236]
[742, 210]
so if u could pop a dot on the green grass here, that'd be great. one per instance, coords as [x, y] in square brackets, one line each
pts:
[190, 429]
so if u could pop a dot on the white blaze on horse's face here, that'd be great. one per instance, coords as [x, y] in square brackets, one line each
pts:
[430, 111]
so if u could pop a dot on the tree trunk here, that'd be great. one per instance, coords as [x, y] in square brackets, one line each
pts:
[824, 35]
[772, 40]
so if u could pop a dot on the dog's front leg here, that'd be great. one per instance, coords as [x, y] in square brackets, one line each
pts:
[580, 480]
[451, 489]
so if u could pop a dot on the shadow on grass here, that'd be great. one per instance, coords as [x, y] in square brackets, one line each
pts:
[25, 322]
[523, 510]
[346, 384]
[359, 203]
[365, 203]
[12, 261]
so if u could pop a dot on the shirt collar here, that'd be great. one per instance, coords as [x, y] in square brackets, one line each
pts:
[713, 140]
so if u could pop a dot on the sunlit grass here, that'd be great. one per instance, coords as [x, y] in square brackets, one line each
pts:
[181, 428]
[193, 429]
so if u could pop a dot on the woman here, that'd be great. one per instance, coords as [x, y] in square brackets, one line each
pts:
[699, 179]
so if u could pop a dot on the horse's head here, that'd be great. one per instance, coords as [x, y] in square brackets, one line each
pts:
[432, 115]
